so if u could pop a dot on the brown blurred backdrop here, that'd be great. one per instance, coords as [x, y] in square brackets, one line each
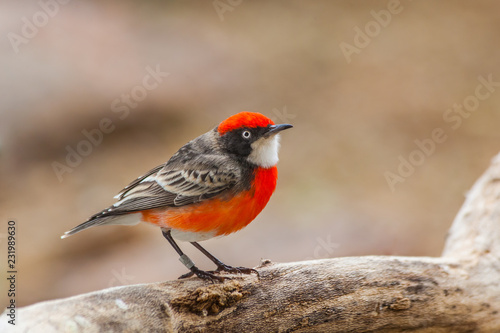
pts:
[358, 101]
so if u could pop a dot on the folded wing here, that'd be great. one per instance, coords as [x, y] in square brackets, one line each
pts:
[168, 185]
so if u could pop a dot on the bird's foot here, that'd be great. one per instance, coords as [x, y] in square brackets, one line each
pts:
[235, 270]
[203, 275]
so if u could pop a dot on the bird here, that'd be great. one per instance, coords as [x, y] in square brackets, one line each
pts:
[212, 186]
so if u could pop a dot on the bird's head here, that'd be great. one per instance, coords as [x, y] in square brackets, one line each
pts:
[252, 136]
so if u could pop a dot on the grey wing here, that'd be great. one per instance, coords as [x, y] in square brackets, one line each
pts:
[139, 195]
[173, 187]
[195, 173]
[195, 185]
[166, 186]
[138, 180]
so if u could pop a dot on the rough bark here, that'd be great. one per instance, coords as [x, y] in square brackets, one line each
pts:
[458, 292]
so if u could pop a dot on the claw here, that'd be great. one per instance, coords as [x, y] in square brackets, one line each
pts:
[185, 276]
[204, 275]
[235, 270]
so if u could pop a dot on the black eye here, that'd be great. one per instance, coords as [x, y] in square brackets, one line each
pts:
[246, 135]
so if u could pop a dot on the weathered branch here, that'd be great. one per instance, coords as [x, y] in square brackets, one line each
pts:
[459, 292]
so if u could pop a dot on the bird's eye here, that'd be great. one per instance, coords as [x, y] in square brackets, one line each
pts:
[246, 135]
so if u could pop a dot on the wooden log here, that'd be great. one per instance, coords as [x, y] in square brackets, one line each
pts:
[458, 292]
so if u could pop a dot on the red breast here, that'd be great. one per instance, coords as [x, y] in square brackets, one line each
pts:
[218, 215]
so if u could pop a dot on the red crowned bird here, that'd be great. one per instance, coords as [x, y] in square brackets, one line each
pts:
[213, 186]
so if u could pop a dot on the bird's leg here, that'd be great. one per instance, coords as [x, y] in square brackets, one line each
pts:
[188, 263]
[223, 267]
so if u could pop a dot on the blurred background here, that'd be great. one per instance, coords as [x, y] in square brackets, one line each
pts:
[360, 81]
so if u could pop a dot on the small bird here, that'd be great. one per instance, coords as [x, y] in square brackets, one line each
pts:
[213, 186]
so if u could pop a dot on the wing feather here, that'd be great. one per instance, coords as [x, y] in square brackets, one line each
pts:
[194, 174]
[169, 186]
[138, 180]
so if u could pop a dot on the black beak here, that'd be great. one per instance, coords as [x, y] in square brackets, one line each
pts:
[275, 129]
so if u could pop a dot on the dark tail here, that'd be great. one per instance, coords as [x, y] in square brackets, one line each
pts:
[105, 217]
[92, 222]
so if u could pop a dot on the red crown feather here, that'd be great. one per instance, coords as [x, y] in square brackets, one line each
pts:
[244, 119]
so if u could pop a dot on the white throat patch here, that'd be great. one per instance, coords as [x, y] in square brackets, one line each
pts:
[265, 151]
